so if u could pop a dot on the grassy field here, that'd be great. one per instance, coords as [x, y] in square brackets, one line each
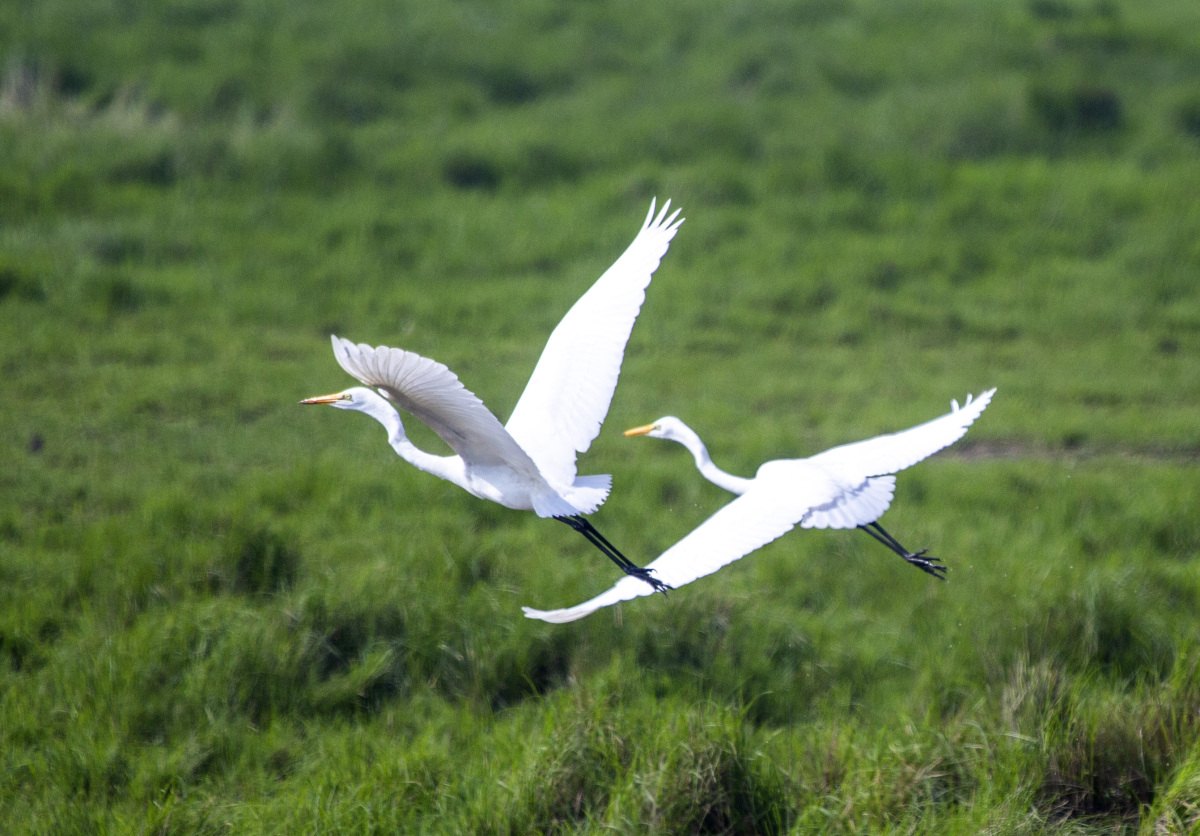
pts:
[224, 613]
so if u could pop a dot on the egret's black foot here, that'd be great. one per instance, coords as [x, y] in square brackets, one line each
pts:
[931, 565]
[647, 575]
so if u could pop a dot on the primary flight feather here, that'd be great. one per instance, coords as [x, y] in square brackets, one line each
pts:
[528, 464]
[844, 487]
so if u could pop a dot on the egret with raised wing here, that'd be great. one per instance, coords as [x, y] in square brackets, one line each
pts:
[528, 464]
[844, 487]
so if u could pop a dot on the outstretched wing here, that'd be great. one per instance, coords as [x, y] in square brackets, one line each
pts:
[765, 512]
[434, 394]
[886, 454]
[567, 397]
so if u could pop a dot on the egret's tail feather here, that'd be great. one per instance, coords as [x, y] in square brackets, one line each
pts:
[589, 492]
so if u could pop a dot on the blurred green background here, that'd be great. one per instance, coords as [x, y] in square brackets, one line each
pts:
[222, 613]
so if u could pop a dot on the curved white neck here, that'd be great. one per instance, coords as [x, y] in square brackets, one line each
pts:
[704, 463]
[450, 468]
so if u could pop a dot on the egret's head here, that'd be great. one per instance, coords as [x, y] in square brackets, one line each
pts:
[666, 427]
[355, 398]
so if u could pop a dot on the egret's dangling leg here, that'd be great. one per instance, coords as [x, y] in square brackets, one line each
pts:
[931, 565]
[580, 524]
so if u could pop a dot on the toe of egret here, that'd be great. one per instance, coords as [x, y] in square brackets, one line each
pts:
[529, 463]
[845, 487]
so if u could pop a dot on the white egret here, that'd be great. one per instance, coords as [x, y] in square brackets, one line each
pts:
[528, 464]
[844, 487]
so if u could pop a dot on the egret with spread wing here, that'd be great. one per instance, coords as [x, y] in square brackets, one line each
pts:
[528, 464]
[844, 487]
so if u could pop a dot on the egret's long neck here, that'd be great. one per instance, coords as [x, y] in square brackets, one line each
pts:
[449, 468]
[688, 438]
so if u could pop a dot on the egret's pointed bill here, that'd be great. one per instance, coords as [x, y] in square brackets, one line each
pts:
[649, 428]
[325, 399]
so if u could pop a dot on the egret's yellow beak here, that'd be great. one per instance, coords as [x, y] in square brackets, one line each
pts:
[641, 430]
[325, 399]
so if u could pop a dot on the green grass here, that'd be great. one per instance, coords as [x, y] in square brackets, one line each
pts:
[221, 613]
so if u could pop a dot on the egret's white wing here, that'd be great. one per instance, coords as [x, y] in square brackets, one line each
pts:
[567, 397]
[860, 505]
[765, 512]
[892, 453]
[433, 393]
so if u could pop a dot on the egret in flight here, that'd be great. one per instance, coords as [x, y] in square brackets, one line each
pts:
[528, 464]
[844, 487]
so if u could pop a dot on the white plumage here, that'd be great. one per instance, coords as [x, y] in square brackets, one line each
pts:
[844, 487]
[530, 463]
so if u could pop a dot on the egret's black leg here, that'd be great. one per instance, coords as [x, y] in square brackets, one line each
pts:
[880, 538]
[596, 539]
[606, 548]
[931, 565]
[887, 539]
[610, 551]
[595, 532]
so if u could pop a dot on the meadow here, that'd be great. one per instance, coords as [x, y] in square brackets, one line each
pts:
[221, 612]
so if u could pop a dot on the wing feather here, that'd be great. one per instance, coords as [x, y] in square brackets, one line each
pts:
[764, 513]
[858, 506]
[435, 395]
[567, 397]
[892, 453]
